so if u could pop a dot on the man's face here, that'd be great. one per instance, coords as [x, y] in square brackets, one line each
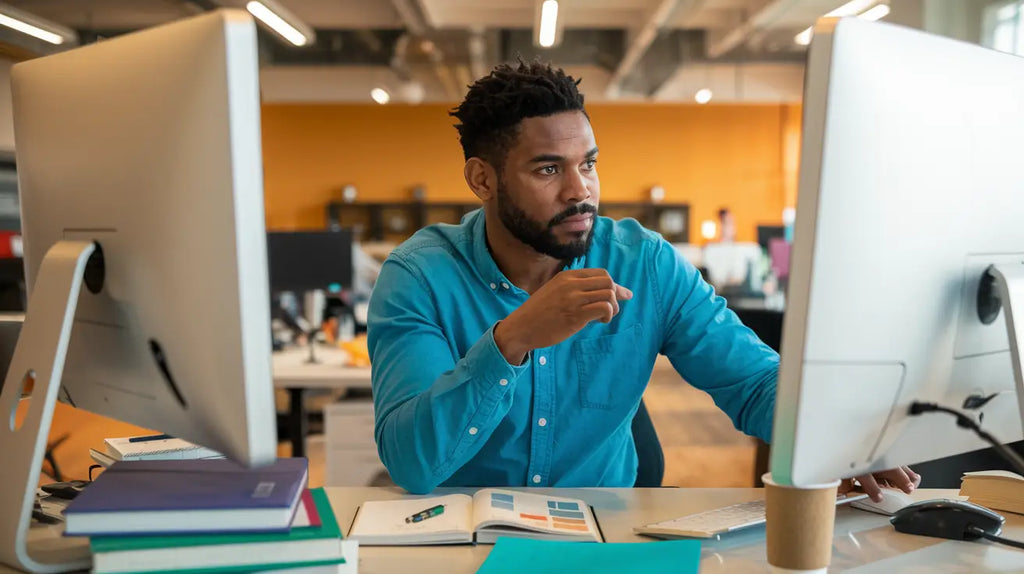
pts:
[548, 191]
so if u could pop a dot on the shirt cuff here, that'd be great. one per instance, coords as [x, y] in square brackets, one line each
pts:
[487, 363]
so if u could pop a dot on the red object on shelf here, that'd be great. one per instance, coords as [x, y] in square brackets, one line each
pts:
[7, 239]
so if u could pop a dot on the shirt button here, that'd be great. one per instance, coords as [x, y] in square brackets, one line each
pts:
[493, 286]
[543, 361]
[503, 382]
[472, 430]
[536, 479]
[505, 285]
[543, 422]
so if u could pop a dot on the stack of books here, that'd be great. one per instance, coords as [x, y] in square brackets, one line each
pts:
[153, 447]
[995, 489]
[209, 515]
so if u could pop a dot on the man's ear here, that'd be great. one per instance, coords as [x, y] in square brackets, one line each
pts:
[481, 178]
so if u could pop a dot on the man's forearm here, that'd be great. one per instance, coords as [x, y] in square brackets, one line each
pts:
[424, 439]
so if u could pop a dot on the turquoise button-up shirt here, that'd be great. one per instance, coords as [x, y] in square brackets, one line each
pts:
[451, 411]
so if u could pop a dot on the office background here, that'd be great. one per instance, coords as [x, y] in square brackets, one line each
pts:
[644, 64]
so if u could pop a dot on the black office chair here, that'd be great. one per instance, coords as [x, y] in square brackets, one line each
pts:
[767, 325]
[650, 469]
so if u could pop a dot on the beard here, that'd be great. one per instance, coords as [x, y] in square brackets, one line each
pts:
[540, 236]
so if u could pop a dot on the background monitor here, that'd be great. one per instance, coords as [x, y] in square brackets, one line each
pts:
[309, 260]
[910, 187]
[765, 234]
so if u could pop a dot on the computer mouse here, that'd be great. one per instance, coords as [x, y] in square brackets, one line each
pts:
[952, 519]
[893, 499]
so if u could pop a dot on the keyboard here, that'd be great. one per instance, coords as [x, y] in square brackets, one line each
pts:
[712, 523]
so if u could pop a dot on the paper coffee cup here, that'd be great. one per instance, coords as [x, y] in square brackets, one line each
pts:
[800, 526]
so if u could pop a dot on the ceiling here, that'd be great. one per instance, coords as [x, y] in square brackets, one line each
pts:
[428, 50]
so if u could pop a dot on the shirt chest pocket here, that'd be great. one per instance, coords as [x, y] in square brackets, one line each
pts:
[608, 369]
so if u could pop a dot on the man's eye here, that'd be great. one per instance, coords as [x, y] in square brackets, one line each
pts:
[549, 170]
[590, 164]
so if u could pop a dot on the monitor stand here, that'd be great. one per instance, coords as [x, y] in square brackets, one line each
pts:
[1009, 287]
[313, 305]
[39, 356]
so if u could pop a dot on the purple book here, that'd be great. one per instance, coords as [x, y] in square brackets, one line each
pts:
[180, 496]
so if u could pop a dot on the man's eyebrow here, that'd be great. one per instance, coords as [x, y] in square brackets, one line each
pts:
[545, 157]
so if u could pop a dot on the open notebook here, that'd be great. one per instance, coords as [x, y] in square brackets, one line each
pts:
[481, 518]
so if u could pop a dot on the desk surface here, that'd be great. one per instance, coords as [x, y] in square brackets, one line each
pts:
[291, 369]
[864, 542]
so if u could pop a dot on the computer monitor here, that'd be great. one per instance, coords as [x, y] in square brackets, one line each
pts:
[910, 188]
[309, 260]
[140, 168]
[765, 234]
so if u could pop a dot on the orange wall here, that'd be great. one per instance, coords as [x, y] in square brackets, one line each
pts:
[735, 156]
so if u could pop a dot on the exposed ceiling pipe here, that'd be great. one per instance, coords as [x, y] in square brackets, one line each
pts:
[642, 41]
[769, 12]
[477, 53]
[413, 16]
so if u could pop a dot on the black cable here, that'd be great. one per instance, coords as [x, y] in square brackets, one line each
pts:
[977, 530]
[964, 421]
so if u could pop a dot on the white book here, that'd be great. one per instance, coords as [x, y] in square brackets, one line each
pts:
[161, 449]
[101, 458]
[481, 518]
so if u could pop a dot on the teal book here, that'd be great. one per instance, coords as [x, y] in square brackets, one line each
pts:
[320, 543]
[552, 557]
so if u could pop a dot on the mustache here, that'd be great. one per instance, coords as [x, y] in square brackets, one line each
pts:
[577, 209]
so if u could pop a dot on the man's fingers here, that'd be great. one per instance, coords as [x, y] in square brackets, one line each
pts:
[598, 279]
[593, 283]
[914, 477]
[588, 272]
[845, 486]
[586, 297]
[598, 311]
[900, 479]
[622, 294]
[870, 486]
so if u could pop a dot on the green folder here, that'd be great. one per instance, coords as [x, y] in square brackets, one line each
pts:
[303, 546]
[550, 557]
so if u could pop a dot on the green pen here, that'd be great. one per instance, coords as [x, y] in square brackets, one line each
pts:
[425, 514]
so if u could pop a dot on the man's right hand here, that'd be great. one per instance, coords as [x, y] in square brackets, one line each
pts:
[557, 310]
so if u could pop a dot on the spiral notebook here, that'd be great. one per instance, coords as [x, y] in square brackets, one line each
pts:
[164, 449]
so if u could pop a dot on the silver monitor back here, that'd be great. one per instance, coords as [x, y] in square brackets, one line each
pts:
[910, 187]
[149, 144]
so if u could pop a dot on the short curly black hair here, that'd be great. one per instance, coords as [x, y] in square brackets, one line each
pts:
[490, 114]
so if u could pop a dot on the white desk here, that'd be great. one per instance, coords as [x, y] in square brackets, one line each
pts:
[864, 542]
[293, 373]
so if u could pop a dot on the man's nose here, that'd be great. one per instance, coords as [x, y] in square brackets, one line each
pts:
[576, 188]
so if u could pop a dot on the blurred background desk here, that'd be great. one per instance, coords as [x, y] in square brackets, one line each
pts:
[294, 374]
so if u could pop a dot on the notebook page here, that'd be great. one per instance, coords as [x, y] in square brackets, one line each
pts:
[553, 514]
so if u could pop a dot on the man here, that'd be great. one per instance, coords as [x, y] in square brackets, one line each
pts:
[513, 349]
[727, 226]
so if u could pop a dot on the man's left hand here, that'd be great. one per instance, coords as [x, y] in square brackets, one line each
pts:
[902, 478]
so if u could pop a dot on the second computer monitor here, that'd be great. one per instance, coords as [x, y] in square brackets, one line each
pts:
[910, 187]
